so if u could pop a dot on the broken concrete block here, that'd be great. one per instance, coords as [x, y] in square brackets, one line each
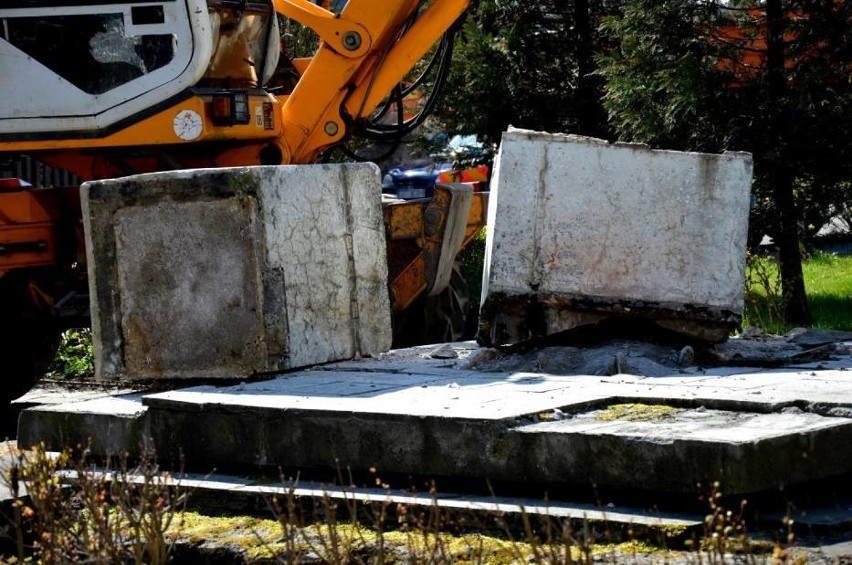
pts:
[224, 273]
[582, 231]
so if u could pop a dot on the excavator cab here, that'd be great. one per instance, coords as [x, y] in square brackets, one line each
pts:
[97, 65]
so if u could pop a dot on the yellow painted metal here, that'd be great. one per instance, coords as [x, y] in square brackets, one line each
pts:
[364, 52]
[404, 55]
[159, 129]
[409, 284]
[362, 56]
[476, 218]
[341, 33]
[414, 221]
[313, 118]
[404, 219]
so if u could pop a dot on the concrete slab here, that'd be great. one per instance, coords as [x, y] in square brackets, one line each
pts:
[581, 231]
[745, 452]
[226, 273]
[225, 491]
[47, 393]
[753, 429]
[111, 425]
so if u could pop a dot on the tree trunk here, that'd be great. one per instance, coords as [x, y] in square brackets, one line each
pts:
[780, 176]
[588, 108]
[587, 101]
[796, 310]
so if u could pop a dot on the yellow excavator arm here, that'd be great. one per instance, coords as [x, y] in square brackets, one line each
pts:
[364, 54]
[228, 101]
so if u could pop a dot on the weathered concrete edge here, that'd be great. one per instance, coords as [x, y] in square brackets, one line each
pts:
[534, 135]
[208, 436]
[683, 464]
[104, 434]
[205, 489]
[532, 269]
[364, 242]
[104, 198]
[538, 315]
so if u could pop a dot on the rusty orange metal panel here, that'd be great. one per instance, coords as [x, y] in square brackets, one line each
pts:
[22, 207]
[409, 284]
[32, 223]
[30, 245]
[404, 219]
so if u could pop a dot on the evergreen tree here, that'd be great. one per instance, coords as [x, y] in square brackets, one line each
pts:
[772, 77]
[526, 64]
[767, 77]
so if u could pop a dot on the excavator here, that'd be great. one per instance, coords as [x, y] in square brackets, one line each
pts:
[108, 88]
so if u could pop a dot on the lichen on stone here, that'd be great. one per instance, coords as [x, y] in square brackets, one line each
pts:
[637, 412]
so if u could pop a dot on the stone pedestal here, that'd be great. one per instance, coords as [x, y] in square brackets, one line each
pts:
[582, 231]
[225, 273]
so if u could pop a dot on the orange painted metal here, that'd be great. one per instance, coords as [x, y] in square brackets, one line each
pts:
[363, 53]
[37, 227]
[414, 244]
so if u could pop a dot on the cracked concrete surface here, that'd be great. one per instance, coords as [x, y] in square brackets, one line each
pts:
[226, 273]
[519, 418]
[580, 230]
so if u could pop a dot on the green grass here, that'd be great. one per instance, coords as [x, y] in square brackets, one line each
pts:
[828, 283]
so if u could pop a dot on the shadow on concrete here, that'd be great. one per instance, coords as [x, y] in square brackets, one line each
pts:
[9, 422]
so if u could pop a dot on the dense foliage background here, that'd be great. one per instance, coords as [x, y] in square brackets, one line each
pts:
[770, 77]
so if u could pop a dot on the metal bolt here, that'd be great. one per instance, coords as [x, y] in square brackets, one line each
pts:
[331, 128]
[352, 40]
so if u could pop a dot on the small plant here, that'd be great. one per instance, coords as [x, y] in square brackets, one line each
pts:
[75, 357]
[725, 536]
[350, 531]
[764, 303]
[724, 530]
[65, 511]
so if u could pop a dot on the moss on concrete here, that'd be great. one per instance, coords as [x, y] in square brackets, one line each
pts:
[636, 412]
[257, 540]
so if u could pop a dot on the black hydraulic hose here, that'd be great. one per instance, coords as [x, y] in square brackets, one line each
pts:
[383, 132]
[372, 130]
